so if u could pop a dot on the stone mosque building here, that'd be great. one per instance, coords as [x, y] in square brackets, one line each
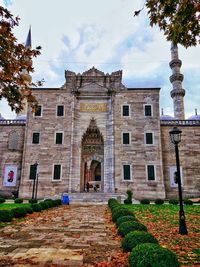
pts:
[95, 134]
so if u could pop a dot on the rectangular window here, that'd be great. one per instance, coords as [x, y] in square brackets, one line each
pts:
[38, 111]
[149, 138]
[57, 172]
[33, 172]
[59, 138]
[150, 172]
[126, 172]
[125, 110]
[36, 138]
[60, 111]
[126, 138]
[147, 110]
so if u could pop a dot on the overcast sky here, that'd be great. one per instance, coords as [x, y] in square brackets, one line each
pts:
[79, 34]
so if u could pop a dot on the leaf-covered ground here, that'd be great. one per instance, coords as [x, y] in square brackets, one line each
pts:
[163, 222]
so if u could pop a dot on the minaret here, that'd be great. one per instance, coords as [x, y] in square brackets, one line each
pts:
[176, 79]
[27, 77]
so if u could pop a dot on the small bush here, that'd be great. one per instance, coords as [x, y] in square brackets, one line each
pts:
[50, 203]
[127, 201]
[18, 200]
[127, 227]
[32, 201]
[36, 207]
[188, 202]
[44, 205]
[173, 201]
[28, 209]
[115, 206]
[146, 255]
[19, 212]
[129, 197]
[58, 202]
[112, 201]
[145, 201]
[159, 201]
[2, 200]
[120, 213]
[6, 215]
[123, 219]
[135, 238]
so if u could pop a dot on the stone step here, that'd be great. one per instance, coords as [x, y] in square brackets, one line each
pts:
[93, 197]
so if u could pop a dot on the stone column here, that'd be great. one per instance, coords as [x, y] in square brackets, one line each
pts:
[109, 151]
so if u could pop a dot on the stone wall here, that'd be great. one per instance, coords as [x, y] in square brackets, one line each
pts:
[137, 154]
[189, 152]
[11, 155]
[47, 153]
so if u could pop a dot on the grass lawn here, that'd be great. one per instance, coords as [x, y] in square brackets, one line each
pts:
[9, 206]
[163, 222]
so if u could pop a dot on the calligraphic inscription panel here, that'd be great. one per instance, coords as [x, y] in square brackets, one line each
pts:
[93, 107]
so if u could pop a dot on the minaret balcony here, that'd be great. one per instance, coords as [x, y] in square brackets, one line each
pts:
[177, 92]
[176, 77]
[175, 63]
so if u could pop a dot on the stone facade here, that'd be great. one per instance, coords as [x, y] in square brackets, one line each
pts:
[106, 136]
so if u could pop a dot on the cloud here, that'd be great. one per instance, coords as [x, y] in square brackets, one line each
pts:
[7, 3]
[77, 35]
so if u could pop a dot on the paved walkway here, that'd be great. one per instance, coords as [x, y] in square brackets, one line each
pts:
[75, 235]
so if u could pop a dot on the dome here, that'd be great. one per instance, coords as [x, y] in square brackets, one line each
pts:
[195, 117]
[21, 118]
[166, 118]
[1, 117]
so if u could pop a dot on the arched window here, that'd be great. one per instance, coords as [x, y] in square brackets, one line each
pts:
[13, 143]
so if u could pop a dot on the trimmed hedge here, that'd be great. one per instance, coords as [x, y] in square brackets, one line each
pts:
[123, 219]
[188, 202]
[145, 201]
[121, 212]
[159, 201]
[173, 201]
[18, 200]
[127, 227]
[2, 200]
[152, 255]
[36, 207]
[128, 200]
[19, 212]
[6, 215]
[58, 202]
[32, 201]
[44, 205]
[135, 238]
[112, 201]
[28, 209]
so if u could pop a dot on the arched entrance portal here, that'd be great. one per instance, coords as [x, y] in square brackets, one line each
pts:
[92, 159]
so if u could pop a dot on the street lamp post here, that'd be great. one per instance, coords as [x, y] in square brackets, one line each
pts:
[36, 189]
[175, 136]
[35, 179]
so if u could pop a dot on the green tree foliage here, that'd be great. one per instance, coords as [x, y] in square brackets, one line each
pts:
[178, 19]
[15, 65]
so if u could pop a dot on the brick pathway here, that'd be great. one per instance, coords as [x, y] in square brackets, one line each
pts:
[75, 235]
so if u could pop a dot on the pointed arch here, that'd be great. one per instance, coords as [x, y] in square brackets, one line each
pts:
[92, 156]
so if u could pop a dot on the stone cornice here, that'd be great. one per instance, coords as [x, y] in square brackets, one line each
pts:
[180, 122]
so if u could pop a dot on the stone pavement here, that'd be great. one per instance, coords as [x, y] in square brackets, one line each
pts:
[74, 235]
